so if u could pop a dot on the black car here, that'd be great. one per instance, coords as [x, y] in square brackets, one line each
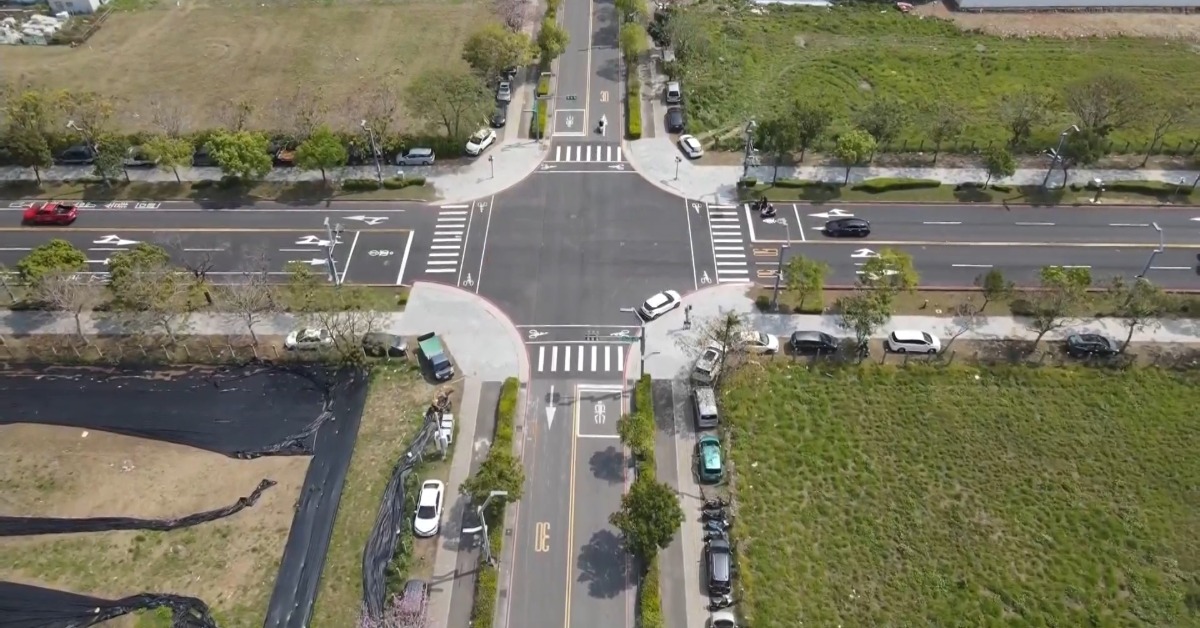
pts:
[201, 158]
[499, 118]
[675, 120]
[718, 567]
[380, 345]
[813, 343]
[78, 155]
[1091, 345]
[848, 227]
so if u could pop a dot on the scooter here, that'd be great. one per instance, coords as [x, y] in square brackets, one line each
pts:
[716, 513]
[718, 603]
[603, 123]
[714, 504]
[717, 525]
[715, 535]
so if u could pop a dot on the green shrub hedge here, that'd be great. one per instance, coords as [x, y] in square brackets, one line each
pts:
[393, 183]
[543, 88]
[877, 186]
[487, 579]
[804, 184]
[650, 600]
[1149, 188]
[399, 183]
[633, 106]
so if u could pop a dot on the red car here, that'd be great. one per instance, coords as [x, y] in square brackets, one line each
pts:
[50, 214]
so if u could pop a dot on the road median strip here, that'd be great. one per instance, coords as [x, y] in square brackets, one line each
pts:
[487, 579]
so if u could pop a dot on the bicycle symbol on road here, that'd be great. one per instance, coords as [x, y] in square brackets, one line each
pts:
[468, 282]
[535, 334]
[705, 278]
[624, 333]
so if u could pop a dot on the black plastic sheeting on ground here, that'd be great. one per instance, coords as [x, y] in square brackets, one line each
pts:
[32, 526]
[25, 606]
[381, 545]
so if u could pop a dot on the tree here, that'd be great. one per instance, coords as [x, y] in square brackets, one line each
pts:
[321, 151]
[170, 153]
[649, 516]
[778, 136]
[34, 110]
[306, 109]
[1104, 102]
[637, 433]
[633, 11]
[237, 114]
[724, 330]
[812, 122]
[889, 273]
[1083, 149]
[55, 256]
[302, 293]
[346, 314]
[252, 298]
[511, 12]
[1166, 114]
[493, 48]
[146, 286]
[29, 149]
[90, 112]
[1021, 111]
[883, 119]
[110, 157]
[453, 97]
[500, 471]
[378, 105]
[240, 154]
[633, 42]
[995, 287]
[67, 291]
[853, 148]
[805, 277]
[552, 40]
[1063, 292]
[945, 121]
[863, 313]
[999, 163]
[167, 116]
[1138, 303]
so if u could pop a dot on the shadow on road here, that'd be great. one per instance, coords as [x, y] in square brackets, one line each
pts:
[608, 465]
[603, 564]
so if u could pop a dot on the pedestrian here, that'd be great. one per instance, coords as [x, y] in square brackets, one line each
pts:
[687, 317]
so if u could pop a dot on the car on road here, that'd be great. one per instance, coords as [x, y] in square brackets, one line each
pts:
[1091, 345]
[675, 120]
[384, 345]
[659, 304]
[708, 365]
[847, 228]
[50, 213]
[718, 567]
[709, 468]
[428, 519]
[480, 141]
[911, 341]
[499, 117]
[810, 342]
[435, 356]
[77, 155]
[138, 157]
[691, 146]
[416, 157]
[723, 618]
[504, 92]
[758, 342]
[308, 339]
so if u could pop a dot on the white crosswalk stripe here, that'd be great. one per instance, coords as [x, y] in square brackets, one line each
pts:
[580, 358]
[728, 244]
[587, 153]
[446, 249]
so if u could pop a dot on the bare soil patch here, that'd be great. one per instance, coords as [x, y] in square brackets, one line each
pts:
[1071, 25]
[204, 55]
[67, 472]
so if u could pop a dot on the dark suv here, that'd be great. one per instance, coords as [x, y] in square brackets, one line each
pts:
[1091, 345]
[848, 227]
[675, 120]
[718, 566]
[813, 343]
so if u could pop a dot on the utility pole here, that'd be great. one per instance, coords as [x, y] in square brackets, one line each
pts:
[641, 340]
[1056, 154]
[678, 160]
[375, 152]
[483, 526]
[779, 263]
[1162, 247]
[333, 232]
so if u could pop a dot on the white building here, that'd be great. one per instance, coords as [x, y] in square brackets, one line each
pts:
[75, 7]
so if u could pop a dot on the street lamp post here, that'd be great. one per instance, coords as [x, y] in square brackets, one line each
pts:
[483, 526]
[1162, 246]
[779, 263]
[333, 232]
[492, 163]
[1056, 156]
[678, 160]
[375, 153]
[641, 340]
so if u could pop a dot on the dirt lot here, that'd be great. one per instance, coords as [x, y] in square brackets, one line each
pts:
[1070, 25]
[200, 56]
[66, 472]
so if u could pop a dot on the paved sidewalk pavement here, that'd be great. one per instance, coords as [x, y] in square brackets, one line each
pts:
[655, 157]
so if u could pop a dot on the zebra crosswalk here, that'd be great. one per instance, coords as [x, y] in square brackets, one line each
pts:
[579, 357]
[587, 153]
[728, 244]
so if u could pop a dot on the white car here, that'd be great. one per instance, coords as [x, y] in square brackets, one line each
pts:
[659, 304]
[758, 342]
[909, 341]
[691, 146]
[308, 338]
[480, 141]
[429, 509]
[723, 618]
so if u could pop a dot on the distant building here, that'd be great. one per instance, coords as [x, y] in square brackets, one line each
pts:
[1186, 6]
[75, 7]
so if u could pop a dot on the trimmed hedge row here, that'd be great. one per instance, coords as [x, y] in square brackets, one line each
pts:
[543, 88]
[1149, 188]
[487, 580]
[633, 106]
[650, 599]
[393, 183]
[878, 186]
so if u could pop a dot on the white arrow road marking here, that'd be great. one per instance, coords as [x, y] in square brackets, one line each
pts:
[312, 240]
[104, 261]
[617, 166]
[550, 409]
[547, 167]
[864, 253]
[833, 213]
[370, 220]
[114, 239]
[316, 261]
[887, 273]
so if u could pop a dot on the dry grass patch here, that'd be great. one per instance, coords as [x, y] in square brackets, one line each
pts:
[1071, 24]
[958, 496]
[64, 472]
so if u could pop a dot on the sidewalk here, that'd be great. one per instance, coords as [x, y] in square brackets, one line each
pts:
[655, 157]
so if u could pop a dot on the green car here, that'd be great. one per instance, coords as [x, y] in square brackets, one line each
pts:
[708, 459]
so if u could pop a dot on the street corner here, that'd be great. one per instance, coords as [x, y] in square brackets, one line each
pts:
[569, 123]
[598, 407]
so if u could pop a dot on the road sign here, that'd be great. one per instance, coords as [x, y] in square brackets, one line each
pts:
[381, 253]
[370, 220]
[570, 122]
[833, 213]
[114, 240]
[541, 537]
[864, 253]
[604, 96]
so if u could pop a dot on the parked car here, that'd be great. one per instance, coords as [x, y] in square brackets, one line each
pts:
[723, 618]
[201, 158]
[282, 153]
[416, 157]
[909, 341]
[77, 155]
[480, 141]
[691, 147]
[137, 157]
[414, 597]
[50, 213]
[428, 519]
[308, 339]
[384, 345]
[675, 120]
[708, 365]
[659, 304]
[504, 91]
[1091, 345]
[758, 342]
[499, 117]
[848, 227]
[673, 94]
[718, 567]
[704, 405]
[813, 343]
[435, 354]
[709, 468]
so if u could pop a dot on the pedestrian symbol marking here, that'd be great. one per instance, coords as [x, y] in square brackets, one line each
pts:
[598, 413]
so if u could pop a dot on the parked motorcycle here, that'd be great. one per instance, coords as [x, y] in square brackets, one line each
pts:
[714, 504]
[715, 535]
[718, 603]
[717, 525]
[714, 513]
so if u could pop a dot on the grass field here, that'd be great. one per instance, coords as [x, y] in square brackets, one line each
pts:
[200, 56]
[962, 497]
[231, 563]
[755, 64]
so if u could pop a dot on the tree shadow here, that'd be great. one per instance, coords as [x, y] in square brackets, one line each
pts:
[604, 565]
[608, 465]
[972, 193]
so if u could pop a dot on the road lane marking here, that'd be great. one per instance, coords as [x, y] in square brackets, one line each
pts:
[971, 265]
[621, 359]
[1034, 224]
[604, 436]
[799, 225]
[1170, 268]
[172, 230]
[349, 257]
[607, 361]
[942, 222]
[466, 242]
[487, 228]
[1065, 266]
[554, 358]
[441, 270]
[455, 207]
[692, 243]
[15, 248]
[594, 351]
[300, 250]
[541, 359]
[579, 366]
[571, 506]
[200, 250]
[1129, 224]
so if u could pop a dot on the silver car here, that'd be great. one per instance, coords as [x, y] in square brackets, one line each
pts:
[504, 91]
[416, 157]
